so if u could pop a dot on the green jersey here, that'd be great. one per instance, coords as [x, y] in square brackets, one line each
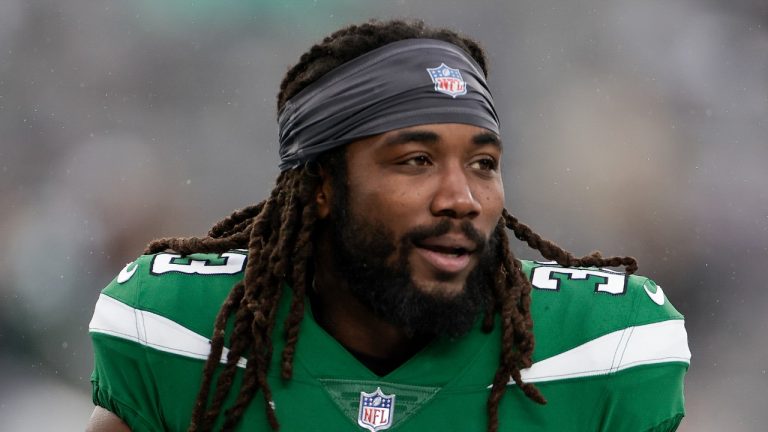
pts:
[611, 353]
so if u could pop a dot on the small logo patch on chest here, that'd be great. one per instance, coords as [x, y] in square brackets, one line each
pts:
[376, 410]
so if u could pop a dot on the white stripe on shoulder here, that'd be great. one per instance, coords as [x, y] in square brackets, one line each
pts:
[115, 318]
[661, 342]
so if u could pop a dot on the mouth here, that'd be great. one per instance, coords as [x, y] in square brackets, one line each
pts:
[447, 255]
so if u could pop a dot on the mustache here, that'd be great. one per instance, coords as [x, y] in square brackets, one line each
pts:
[421, 233]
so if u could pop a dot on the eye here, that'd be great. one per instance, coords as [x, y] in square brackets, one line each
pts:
[485, 164]
[418, 160]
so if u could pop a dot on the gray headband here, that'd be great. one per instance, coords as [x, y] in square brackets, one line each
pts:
[402, 84]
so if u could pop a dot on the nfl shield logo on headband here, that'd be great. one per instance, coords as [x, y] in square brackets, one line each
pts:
[448, 80]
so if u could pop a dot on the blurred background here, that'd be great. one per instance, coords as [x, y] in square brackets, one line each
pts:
[633, 127]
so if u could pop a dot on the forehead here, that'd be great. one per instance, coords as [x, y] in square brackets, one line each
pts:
[442, 132]
[439, 136]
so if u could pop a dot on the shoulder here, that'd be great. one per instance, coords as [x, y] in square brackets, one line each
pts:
[613, 295]
[610, 335]
[151, 331]
[185, 290]
[575, 306]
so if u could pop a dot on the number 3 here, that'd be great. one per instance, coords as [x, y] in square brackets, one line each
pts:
[226, 263]
[606, 281]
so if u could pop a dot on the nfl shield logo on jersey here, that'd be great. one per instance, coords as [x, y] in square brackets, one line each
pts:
[448, 80]
[376, 410]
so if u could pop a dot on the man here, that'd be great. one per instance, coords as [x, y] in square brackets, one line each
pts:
[374, 288]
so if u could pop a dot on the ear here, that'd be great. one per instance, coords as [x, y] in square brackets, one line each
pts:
[323, 195]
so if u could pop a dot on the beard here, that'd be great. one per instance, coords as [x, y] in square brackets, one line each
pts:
[376, 267]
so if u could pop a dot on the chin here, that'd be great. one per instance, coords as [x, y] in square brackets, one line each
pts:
[439, 288]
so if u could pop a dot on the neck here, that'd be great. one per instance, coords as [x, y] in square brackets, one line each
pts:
[378, 344]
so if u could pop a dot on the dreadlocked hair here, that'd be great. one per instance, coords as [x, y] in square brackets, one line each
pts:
[277, 233]
[512, 301]
[350, 42]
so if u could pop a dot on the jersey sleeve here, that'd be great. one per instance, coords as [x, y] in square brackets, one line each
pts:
[609, 344]
[121, 381]
[151, 332]
[647, 387]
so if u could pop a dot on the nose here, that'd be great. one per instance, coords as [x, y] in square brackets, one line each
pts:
[453, 195]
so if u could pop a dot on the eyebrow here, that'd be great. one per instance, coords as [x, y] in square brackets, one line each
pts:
[429, 137]
[411, 136]
[487, 138]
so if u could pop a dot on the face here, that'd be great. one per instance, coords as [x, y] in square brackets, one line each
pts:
[413, 225]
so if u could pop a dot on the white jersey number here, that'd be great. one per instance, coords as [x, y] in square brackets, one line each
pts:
[226, 263]
[606, 281]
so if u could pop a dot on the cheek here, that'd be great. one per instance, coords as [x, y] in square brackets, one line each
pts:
[491, 197]
[380, 196]
[492, 193]
[391, 206]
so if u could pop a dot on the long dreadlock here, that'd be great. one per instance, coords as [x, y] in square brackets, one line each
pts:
[277, 233]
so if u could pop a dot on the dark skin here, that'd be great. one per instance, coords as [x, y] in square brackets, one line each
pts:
[402, 179]
[103, 420]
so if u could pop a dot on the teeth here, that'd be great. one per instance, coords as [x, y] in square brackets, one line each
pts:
[453, 252]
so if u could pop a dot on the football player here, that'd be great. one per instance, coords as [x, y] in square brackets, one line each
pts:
[375, 287]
